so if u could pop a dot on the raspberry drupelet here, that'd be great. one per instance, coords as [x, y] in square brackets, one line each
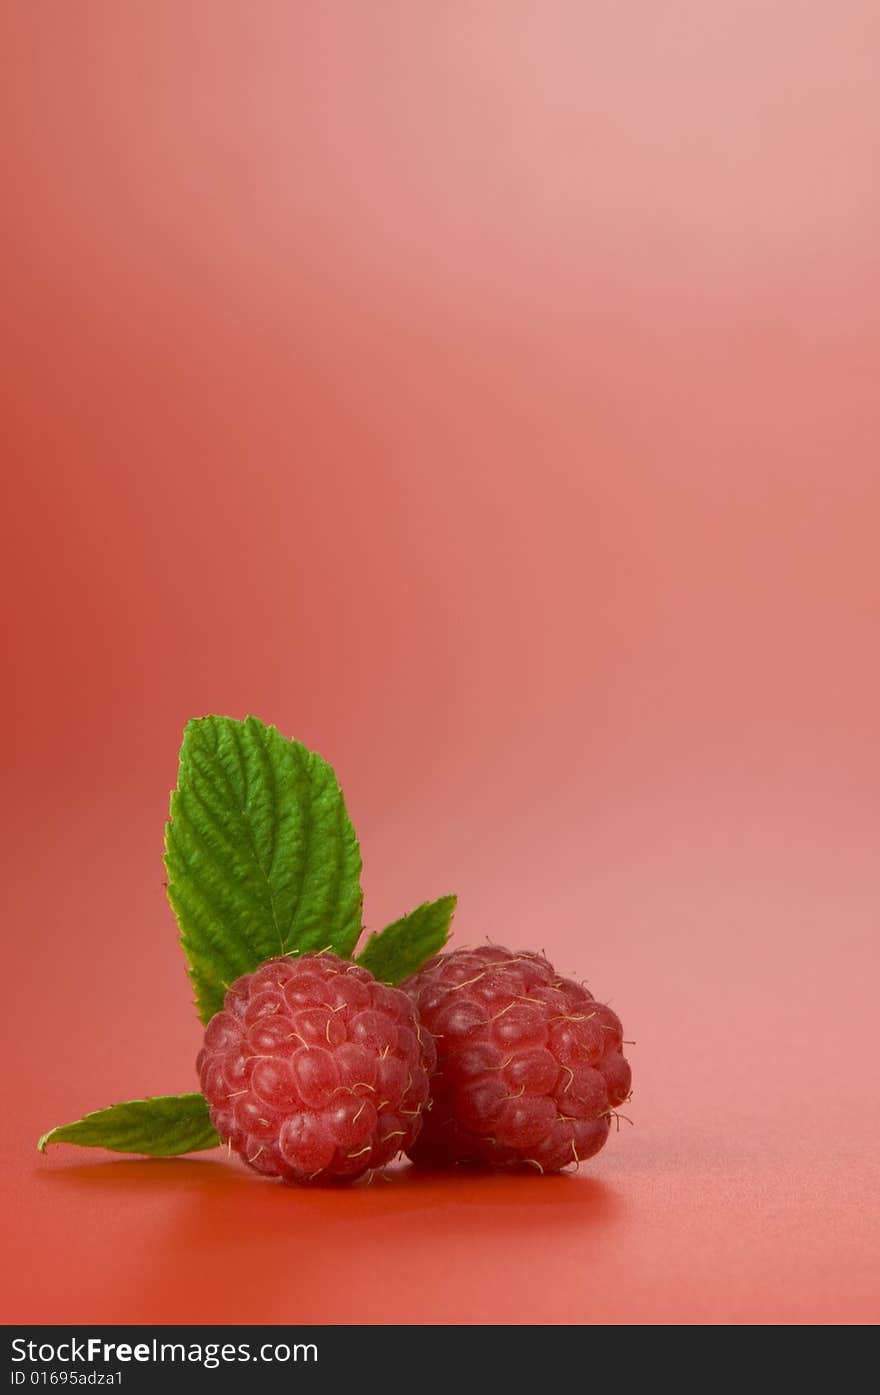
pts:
[529, 1065]
[314, 1071]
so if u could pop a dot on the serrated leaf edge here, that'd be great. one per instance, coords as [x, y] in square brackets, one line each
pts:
[393, 924]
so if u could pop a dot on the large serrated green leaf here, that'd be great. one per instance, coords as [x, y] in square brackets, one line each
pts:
[261, 855]
[401, 948]
[161, 1127]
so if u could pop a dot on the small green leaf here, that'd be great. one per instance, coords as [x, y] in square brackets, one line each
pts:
[161, 1127]
[261, 855]
[400, 949]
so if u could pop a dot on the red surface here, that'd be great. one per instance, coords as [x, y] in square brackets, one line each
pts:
[487, 394]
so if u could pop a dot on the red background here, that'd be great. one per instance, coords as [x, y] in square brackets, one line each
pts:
[485, 393]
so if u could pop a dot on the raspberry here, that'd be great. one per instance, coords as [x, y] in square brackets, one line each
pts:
[529, 1066]
[314, 1070]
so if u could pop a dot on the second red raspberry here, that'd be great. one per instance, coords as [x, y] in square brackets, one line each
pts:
[530, 1065]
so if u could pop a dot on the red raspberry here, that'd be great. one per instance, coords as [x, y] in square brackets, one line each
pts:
[314, 1070]
[529, 1064]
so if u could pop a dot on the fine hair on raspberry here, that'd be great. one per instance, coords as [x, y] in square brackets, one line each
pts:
[314, 1071]
[530, 1066]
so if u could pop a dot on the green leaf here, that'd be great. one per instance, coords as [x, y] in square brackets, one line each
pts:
[261, 855]
[397, 951]
[161, 1127]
